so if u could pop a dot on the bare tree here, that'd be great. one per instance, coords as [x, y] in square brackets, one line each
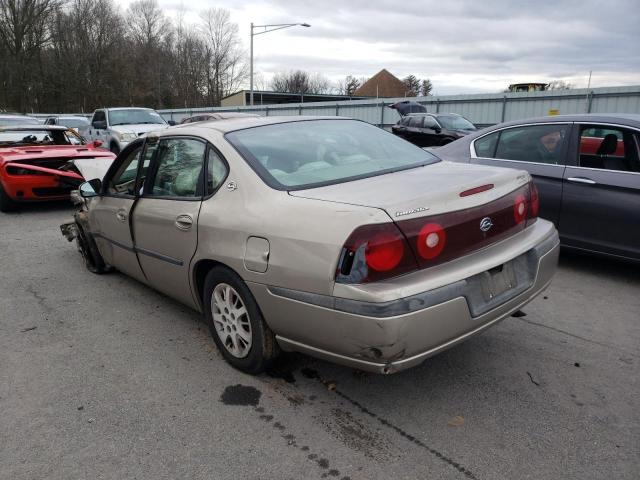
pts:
[23, 33]
[299, 81]
[348, 86]
[559, 85]
[226, 69]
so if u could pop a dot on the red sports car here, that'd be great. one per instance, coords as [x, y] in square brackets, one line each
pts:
[45, 162]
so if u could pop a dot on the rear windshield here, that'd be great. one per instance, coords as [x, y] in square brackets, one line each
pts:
[297, 155]
[22, 137]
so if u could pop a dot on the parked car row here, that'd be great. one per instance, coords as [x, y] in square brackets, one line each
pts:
[334, 238]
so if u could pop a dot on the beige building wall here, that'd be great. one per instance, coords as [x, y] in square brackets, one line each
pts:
[236, 100]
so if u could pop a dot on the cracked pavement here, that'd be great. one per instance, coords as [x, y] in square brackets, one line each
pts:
[101, 377]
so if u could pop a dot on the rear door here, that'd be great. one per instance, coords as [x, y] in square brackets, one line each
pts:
[601, 199]
[430, 132]
[110, 213]
[541, 149]
[165, 220]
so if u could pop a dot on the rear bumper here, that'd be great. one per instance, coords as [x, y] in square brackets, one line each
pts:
[386, 337]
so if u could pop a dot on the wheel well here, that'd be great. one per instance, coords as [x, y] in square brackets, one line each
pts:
[200, 271]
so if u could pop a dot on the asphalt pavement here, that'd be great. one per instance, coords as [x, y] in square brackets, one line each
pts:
[103, 378]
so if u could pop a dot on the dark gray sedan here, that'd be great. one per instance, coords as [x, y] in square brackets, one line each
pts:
[586, 167]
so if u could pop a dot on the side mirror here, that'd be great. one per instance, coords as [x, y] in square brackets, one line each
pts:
[171, 122]
[87, 190]
[99, 124]
[437, 129]
[97, 143]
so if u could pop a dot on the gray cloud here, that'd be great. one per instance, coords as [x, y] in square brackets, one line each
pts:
[491, 42]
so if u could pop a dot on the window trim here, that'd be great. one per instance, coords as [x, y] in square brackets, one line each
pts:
[116, 165]
[472, 144]
[210, 146]
[581, 124]
[153, 170]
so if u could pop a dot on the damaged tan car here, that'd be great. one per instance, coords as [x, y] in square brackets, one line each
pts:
[326, 236]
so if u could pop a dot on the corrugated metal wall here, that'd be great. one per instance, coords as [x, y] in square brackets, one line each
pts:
[481, 109]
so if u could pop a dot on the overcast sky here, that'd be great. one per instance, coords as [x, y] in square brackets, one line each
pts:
[463, 46]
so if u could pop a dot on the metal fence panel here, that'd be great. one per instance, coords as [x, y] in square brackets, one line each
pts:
[481, 109]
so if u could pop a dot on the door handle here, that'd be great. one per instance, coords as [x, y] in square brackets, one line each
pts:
[121, 215]
[586, 181]
[184, 222]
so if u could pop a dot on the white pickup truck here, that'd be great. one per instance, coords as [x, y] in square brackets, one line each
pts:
[116, 127]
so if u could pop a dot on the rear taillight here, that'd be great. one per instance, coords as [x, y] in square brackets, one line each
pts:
[381, 251]
[375, 252]
[520, 208]
[431, 241]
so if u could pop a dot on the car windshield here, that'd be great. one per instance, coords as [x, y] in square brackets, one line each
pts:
[73, 122]
[134, 116]
[455, 122]
[18, 121]
[296, 155]
[39, 137]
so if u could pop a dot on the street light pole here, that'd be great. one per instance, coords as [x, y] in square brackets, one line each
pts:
[267, 29]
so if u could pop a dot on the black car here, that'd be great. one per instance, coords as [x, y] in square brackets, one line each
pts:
[586, 167]
[432, 129]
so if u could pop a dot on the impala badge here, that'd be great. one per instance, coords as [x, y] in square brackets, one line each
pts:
[486, 224]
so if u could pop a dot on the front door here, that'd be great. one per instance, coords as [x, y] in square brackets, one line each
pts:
[165, 219]
[539, 149]
[110, 213]
[601, 200]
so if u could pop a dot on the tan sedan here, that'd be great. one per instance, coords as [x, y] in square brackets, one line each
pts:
[326, 236]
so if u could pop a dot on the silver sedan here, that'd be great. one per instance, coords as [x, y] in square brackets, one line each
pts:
[326, 236]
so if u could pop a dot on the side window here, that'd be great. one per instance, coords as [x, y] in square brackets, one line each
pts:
[415, 122]
[124, 180]
[534, 143]
[150, 148]
[608, 148]
[429, 122]
[485, 147]
[99, 116]
[179, 168]
[216, 171]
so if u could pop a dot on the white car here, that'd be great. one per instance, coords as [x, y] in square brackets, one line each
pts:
[117, 127]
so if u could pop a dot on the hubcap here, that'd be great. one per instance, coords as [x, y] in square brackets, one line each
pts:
[231, 320]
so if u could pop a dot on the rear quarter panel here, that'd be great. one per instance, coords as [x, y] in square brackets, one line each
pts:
[305, 236]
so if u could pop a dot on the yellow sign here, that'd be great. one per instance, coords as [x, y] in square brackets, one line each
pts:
[554, 111]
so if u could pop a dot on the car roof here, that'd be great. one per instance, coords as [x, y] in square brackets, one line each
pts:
[241, 123]
[125, 108]
[31, 128]
[15, 115]
[630, 119]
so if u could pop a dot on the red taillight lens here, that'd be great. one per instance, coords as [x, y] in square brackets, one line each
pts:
[384, 251]
[375, 252]
[520, 208]
[431, 240]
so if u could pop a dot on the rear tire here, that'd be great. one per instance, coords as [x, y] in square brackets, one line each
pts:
[89, 251]
[6, 204]
[236, 323]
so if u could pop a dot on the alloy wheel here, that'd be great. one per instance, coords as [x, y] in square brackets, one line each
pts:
[231, 320]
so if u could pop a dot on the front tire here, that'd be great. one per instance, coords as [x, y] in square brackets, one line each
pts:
[113, 148]
[236, 323]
